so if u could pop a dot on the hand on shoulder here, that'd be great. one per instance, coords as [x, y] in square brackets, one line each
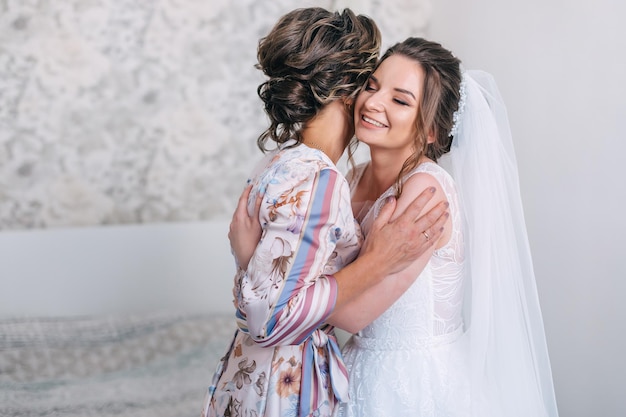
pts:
[413, 187]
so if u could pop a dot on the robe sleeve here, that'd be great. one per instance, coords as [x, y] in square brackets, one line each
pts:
[285, 294]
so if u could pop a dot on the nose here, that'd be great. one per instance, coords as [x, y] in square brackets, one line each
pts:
[374, 102]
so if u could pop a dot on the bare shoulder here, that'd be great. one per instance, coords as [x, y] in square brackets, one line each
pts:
[414, 186]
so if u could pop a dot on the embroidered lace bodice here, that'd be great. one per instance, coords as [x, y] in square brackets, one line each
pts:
[432, 307]
[408, 361]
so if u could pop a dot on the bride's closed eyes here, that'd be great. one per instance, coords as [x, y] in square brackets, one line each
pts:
[372, 86]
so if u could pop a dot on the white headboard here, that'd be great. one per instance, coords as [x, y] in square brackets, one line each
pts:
[116, 269]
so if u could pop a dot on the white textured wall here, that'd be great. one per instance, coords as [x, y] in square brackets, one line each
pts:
[135, 111]
[120, 111]
[95, 271]
[561, 66]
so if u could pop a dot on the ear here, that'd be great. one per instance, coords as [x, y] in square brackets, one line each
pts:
[348, 101]
[431, 137]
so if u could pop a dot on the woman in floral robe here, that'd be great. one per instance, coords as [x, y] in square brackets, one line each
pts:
[284, 360]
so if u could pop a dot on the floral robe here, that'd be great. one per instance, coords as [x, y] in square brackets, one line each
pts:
[284, 361]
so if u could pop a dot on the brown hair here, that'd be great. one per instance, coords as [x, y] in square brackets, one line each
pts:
[439, 101]
[312, 56]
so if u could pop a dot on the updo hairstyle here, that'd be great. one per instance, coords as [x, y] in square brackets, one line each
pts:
[311, 57]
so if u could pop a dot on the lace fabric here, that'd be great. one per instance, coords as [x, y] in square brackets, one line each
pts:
[413, 358]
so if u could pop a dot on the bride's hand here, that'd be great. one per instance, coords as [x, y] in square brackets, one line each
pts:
[245, 230]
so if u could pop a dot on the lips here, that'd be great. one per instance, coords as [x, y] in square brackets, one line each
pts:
[373, 122]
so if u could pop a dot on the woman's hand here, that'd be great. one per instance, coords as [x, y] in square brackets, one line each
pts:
[245, 229]
[394, 242]
[398, 240]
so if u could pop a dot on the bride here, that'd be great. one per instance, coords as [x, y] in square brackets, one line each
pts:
[466, 338]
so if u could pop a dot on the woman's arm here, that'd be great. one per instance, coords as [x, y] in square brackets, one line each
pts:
[393, 244]
[282, 298]
[359, 311]
[375, 300]
[245, 229]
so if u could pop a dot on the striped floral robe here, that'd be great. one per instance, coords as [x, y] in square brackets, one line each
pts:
[284, 361]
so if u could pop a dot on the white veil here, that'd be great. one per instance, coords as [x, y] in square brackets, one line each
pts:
[510, 367]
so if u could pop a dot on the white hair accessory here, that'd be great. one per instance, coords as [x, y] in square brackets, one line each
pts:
[456, 117]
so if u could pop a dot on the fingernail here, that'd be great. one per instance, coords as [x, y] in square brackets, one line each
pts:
[432, 189]
[389, 199]
[447, 204]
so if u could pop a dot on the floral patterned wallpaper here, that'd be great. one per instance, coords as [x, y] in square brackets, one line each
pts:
[135, 111]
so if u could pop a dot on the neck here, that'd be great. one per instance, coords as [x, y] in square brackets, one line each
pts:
[330, 130]
[385, 165]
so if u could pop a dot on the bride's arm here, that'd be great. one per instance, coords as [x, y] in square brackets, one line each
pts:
[245, 230]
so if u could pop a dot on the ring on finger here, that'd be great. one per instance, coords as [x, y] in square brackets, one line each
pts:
[426, 235]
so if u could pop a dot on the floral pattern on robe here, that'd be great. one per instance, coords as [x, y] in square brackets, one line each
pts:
[284, 361]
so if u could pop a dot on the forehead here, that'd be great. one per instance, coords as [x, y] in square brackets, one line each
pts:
[401, 72]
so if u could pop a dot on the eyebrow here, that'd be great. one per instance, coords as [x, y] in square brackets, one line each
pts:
[400, 90]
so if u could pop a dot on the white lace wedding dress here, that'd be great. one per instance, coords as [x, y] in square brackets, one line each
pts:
[411, 361]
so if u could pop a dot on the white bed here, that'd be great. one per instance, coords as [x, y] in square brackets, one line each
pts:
[113, 321]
